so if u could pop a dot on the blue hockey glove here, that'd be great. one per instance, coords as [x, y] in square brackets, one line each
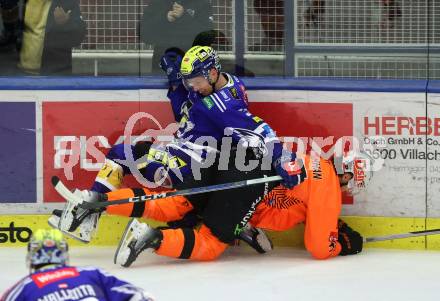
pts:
[170, 63]
[291, 169]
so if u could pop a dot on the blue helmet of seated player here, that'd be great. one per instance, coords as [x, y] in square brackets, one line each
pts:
[200, 69]
[46, 249]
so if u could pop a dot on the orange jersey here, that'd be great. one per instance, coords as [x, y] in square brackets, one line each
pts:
[316, 202]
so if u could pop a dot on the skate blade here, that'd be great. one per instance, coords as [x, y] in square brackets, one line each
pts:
[54, 220]
[67, 218]
[264, 241]
[123, 252]
[72, 200]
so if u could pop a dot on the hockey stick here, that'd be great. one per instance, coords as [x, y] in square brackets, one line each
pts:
[68, 195]
[403, 235]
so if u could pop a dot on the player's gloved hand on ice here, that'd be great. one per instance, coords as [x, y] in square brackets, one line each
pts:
[351, 241]
[291, 169]
[170, 63]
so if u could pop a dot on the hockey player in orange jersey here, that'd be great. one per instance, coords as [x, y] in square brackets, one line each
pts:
[316, 202]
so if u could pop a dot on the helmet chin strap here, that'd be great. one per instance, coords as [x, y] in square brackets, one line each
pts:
[214, 83]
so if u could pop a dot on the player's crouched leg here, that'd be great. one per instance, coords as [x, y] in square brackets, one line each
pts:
[186, 243]
[323, 250]
[345, 243]
[329, 244]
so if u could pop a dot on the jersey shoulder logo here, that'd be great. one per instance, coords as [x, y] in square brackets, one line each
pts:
[224, 95]
[45, 278]
[234, 92]
[208, 102]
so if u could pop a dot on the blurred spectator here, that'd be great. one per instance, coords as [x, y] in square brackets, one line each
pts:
[9, 12]
[51, 29]
[314, 12]
[392, 12]
[216, 39]
[170, 23]
[271, 14]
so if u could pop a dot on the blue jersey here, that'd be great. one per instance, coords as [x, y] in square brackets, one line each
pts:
[224, 113]
[73, 283]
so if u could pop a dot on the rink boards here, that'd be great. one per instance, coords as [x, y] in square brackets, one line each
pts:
[15, 231]
[56, 131]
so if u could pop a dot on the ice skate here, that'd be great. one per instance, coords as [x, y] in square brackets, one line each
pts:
[257, 239]
[73, 216]
[136, 238]
[86, 230]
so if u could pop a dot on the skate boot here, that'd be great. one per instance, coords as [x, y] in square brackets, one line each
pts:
[84, 233]
[136, 238]
[257, 239]
[75, 221]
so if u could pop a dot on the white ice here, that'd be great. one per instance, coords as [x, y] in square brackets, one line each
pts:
[284, 274]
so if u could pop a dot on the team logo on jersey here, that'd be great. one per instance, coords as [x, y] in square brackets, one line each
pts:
[234, 93]
[316, 168]
[208, 102]
[176, 162]
[252, 140]
[45, 278]
[333, 238]
[225, 96]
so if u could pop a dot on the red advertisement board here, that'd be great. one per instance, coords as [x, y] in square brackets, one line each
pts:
[76, 135]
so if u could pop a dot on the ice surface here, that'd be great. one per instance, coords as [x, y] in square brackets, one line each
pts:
[284, 274]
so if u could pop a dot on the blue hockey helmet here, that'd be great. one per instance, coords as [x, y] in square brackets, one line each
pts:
[198, 61]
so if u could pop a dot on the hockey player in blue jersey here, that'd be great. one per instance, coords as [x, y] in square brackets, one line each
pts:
[209, 106]
[212, 108]
[52, 279]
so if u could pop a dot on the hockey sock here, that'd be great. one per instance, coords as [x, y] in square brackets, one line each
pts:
[109, 177]
[186, 243]
[165, 210]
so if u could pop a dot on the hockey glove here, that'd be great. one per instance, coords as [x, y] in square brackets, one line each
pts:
[351, 241]
[291, 169]
[170, 63]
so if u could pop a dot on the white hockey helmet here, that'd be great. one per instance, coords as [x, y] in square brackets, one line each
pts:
[46, 247]
[359, 164]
